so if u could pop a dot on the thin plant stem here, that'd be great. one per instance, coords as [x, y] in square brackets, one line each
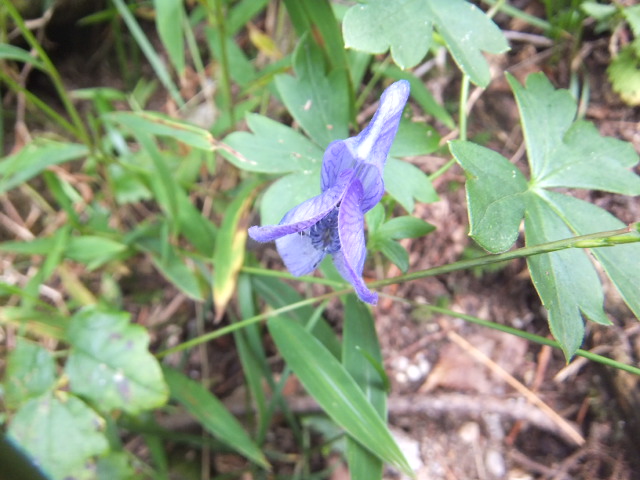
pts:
[249, 321]
[628, 234]
[462, 124]
[377, 74]
[79, 130]
[462, 109]
[264, 272]
[531, 337]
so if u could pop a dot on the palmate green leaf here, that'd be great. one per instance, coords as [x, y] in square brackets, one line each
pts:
[271, 148]
[622, 262]
[405, 27]
[495, 195]
[406, 182]
[213, 415]
[62, 435]
[566, 281]
[286, 193]
[335, 390]
[468, 31]
[414, 139]
[30, 372]
[398, 228]
[318, 101]
[109, 362]
[562, 153]
[34, 158]
[360, 347]
[566, 154]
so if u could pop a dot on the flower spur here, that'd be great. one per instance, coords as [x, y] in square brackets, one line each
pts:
[351, 184]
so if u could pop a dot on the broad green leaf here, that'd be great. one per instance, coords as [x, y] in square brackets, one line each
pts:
[566, 281]
[115, 466]
[597, 10]
[467, 31]
[228, 255]
[110, 364]
[33, 159]
[278, 294]
[11, 52]
[495, 195]
[271, 148]
[414, 139]
[394, 252]
[360, 347]
[30, 372]
[622, 262]
[318, 101]
[335, 390]
[154, 123]
[93, 251]
[624, 73]
[562, 154]
[404, 182]
[286, 193]
[632, 15]
[169, 18]
[62, 434]
[405, 227]
[213, 415]
[405, 27]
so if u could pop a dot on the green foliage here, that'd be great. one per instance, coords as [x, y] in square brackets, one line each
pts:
[405, 28]
[61, 433]
[133, 219]
[564, 153]
[109, 363]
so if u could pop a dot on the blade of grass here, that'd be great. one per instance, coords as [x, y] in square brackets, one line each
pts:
[149, 52]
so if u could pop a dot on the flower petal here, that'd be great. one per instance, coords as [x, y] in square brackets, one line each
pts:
[306, 214]
[298, 253]
[337, 158]
[349, 261]
[373, 143]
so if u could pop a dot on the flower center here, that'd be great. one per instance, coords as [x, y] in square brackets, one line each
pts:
[324, 234]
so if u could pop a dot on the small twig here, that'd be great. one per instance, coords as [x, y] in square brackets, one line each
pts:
[568, 429]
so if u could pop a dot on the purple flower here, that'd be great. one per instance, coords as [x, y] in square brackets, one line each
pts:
[351, 184]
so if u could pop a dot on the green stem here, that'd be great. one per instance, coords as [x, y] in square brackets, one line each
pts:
[464, 96]
[264, 272]
[532, 338]
[249, 321]
[51, 70]
[377, 74]
[628, 234]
